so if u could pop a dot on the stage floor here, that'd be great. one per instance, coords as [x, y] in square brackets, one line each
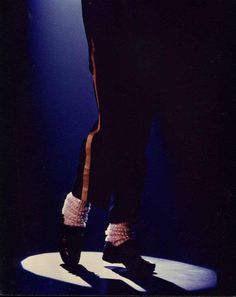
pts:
[46, 273]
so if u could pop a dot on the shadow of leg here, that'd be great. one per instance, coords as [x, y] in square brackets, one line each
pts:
[100, 285]
[150, 282]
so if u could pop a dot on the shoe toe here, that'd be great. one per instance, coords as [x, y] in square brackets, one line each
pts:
[71, 244]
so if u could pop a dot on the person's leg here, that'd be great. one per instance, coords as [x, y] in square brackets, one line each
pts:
[113, 154]
[131, 162]
[130, 170]
[109, 49]
[94, 180]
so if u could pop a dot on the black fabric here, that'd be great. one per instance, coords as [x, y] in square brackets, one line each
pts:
[118, 163]
[166, 56]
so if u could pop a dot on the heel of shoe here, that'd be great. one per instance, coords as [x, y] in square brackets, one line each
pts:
[108, 259]
[111, 258]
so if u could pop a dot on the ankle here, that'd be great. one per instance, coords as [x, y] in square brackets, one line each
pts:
[116, 234]
[75, 211]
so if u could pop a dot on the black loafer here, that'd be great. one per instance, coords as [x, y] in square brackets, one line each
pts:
[71, 244]
[128, 256]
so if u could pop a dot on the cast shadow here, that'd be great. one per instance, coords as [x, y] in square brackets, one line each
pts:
[99, 285]
[150, 283]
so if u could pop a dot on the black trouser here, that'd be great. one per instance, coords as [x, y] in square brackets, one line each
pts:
[173, 55]
[112, 160]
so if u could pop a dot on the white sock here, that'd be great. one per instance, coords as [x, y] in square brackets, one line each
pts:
[117, 234]
[75, 211]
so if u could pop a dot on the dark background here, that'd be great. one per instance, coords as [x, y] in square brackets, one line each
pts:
[48, 107]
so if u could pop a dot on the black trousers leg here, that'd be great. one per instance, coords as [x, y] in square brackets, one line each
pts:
[113, 154]
[130, 164]
[118, 161]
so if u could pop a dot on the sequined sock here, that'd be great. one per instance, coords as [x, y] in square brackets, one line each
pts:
[117, 234]
[75, 211]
